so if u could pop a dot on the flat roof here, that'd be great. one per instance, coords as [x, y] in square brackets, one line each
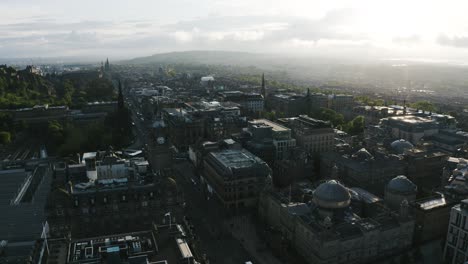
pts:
[366, 196]
[432, 202]
[184, 248]
[411, 119]
[232, 158]
[93, 250]
[275, 126]
[23, 221]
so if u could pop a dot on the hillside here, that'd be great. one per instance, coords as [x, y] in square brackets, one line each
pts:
[203, 57]
[22, 88]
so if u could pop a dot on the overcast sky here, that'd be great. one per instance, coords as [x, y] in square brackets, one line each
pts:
[436, 30]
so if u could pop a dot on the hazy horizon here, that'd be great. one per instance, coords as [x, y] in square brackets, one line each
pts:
[419, 30]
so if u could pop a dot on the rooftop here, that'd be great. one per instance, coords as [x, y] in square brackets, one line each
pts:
[275, 126]
[233, 158]
[431, 202]
[411, 119]
[366, 196]
[23, 196]
[114, 247]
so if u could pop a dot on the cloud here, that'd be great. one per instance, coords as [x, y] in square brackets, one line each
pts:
[243, 33]
[335, 32]
[407, 40]
[455, 41]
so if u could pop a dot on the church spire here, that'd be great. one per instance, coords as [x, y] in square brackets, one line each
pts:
[263, 90]
[120, 100]
[107, 66]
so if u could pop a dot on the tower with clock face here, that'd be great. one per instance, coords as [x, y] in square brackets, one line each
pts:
[160, 151]
[160, 140]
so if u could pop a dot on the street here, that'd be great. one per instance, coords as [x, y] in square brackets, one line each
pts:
[214, 239]
[222, 239]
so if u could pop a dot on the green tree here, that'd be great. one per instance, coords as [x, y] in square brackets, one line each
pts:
[55, 135]
[5, 137]
[355, 126]
[327, 114]
[99, 89]
[424, 105]
[268, 115]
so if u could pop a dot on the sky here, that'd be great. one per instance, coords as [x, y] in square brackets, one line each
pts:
[416, 29]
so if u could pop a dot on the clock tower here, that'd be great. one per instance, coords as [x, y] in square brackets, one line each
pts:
[160, 149]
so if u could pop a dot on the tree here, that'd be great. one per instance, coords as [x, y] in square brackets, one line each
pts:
[355, 126]
[330, 115]
[100, 89]
[55, 134]
[424, 105]
[5, 137]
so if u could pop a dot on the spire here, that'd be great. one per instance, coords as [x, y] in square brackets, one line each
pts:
[120, 100]
[107, 66]
[404, 107]
[263, 91]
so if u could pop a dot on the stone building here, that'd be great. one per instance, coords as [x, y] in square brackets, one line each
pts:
[183, 127]
[410, 127]
[313, 135]
[235, 177]
[334, 228]
[294, 104]
[280, 136]
[362, 169]
[398, 190]
[432, 217]
[249, 102]
[342, 103]
[456, 245]
[130, 201]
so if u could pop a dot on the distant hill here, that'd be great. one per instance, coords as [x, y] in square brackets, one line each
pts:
[203, 57]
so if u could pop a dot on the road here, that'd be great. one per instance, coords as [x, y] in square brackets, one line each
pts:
[223, 240]
[215, 240]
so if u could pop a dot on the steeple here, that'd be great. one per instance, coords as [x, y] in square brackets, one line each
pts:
[263, 91]
[404, 107]
[107, 66]
[120, 100]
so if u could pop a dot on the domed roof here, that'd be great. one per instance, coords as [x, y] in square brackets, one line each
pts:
[362, 155]
[332, 194]
[401, 184]
[399, 146]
